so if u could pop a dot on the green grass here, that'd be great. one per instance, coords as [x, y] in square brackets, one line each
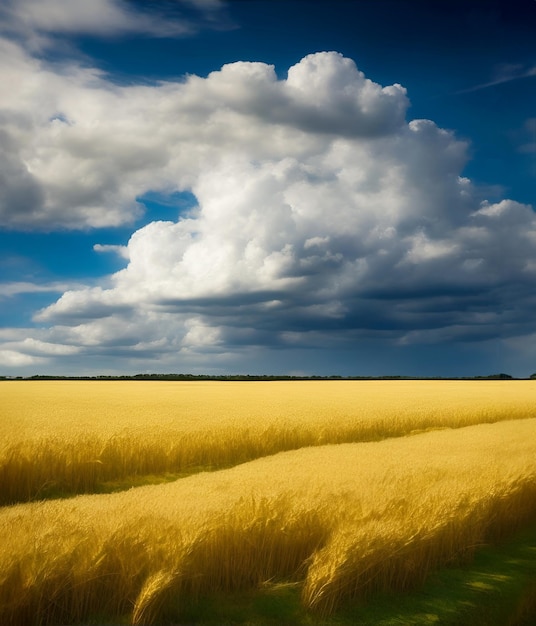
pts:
[497, 589]
[128, 482]
[53, 491]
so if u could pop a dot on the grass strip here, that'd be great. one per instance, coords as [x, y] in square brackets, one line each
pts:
[497, 589]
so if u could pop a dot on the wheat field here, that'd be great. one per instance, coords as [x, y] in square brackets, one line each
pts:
[62, 437]
[341, 520]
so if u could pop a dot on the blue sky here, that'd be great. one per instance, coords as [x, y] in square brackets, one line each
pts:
[268, 187]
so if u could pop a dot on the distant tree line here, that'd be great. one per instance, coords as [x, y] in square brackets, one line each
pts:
[252, 377]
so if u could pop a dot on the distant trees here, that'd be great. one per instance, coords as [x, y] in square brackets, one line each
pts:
[497, 377]
[244, 377]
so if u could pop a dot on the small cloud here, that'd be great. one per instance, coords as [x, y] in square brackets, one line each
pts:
[528, 132]
[36, 347]
[121, 251]
[10, 289]
[528, 148]
[32, 19]
[200, 337]
[505, 73]
[14, 358]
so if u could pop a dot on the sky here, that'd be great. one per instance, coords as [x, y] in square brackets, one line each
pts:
[303, 187]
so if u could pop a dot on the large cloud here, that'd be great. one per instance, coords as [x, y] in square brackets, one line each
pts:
[79, 150]
[323, 216]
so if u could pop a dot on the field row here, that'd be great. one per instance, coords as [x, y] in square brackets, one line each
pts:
[65, 437]
[342, 521]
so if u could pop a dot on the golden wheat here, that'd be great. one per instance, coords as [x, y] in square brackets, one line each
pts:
[346, 520]
[68, 437]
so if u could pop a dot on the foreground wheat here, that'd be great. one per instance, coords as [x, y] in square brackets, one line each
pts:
[68, 437]
[346, 520]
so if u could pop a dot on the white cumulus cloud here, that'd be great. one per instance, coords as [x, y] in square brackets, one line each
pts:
[322, 214]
